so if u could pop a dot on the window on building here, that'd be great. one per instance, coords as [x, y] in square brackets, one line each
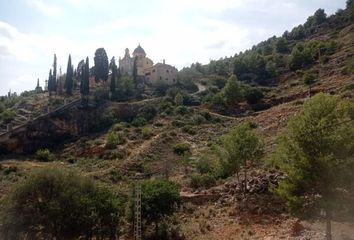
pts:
[153, 70]
[174, 80]
[167, 70]
[160, 78]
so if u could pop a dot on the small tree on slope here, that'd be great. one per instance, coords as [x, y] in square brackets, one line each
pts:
[316, 153]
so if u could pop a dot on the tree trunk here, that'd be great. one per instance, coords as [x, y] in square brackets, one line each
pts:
[245, 187]
[245, 171]
[156, 228]
[310, 90]
[328, 224]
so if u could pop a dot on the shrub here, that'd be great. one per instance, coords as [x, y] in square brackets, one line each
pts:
[113, 139]
[182, 110]
[148, 112]
[199, 119]
[118, 126]
[177, 123]
[160, 199]
[178, 99]
[147, 132]
[206, 165]
[109, 117]
[44, 155]
[219, 98]
[180, 148]
[202, 180]
[139, 122]
[253, 95]
[189, 129]
[350, 66]
[53, 204]
[206, 115]
[7, 115]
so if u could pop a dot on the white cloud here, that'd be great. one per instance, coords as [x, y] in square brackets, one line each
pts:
[46, 8]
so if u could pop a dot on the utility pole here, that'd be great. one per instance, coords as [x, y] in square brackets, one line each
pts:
[137, 213]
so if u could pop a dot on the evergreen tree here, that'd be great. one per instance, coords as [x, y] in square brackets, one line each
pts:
[135, 70]
[309, 79]
[281, 45]
[101, 67]
[233, 90]
[113, 77]
[50, 82]
[85, 79]
[69, 78]
[241, 146]
[296, 59]
[54, 77]
[316, 154]
[159, 199]
[320, 16]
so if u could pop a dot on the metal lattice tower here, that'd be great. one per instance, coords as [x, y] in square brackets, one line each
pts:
[137, 213]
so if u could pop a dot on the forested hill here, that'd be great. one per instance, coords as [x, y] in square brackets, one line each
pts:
[301, 48]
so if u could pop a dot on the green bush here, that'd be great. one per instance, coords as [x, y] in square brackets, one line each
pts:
[44, 155]
[199, 119]
[118, 127]
[182, 110]
[159, 199]
[109, 117]
[7, 115]
[180, 148]
[113, 139]
[147, 132]
[139, 122]
[148, 112]
[53, 204]
[219, 98]
[350, 66]
[206, 164]
[206, 115]
[253, 95]
[189, 129]
[177, 123]
[2, 107]
[206, 180]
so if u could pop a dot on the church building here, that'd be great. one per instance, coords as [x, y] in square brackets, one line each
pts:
[146, 70]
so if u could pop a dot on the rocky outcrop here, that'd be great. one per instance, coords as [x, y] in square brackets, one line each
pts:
[67, 122]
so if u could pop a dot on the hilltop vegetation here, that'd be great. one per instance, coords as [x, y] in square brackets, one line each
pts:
[246, 147]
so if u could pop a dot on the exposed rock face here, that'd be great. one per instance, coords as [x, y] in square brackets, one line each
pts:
[62, 125]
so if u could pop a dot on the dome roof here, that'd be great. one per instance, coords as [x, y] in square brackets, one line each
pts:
[139, 50]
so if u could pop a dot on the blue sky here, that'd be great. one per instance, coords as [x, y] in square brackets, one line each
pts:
[182, 32]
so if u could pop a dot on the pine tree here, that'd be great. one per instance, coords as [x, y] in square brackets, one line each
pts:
[101, 67]
[316, 154]
[69, 78]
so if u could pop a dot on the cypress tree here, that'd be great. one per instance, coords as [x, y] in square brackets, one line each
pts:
[113, 76]
[54, 77]
[50, 82]
[69, 78]
[135, 71]
[101, 67]
[85, 85]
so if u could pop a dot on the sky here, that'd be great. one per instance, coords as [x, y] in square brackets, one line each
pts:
[182, 31]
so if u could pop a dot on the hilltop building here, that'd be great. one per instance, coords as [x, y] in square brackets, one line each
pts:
[146, 70]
